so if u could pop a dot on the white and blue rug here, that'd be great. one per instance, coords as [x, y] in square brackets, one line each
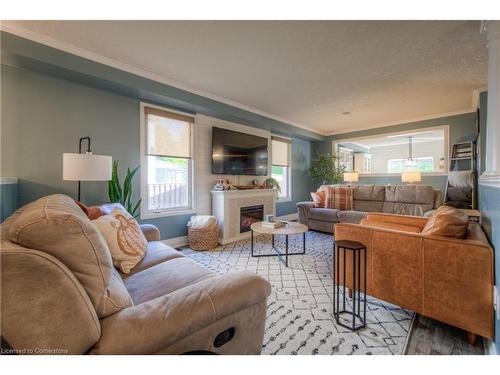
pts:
[300, 311]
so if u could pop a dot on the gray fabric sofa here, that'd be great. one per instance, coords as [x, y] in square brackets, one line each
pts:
[394, 199]
[62, 295]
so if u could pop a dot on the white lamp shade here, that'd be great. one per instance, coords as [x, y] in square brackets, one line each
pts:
[351, 176]
[411, 177]
[86, 167]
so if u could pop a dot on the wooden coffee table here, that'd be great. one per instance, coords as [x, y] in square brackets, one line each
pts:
[290, 229]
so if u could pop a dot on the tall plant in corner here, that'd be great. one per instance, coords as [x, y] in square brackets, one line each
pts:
[326, 167]
[123, 194]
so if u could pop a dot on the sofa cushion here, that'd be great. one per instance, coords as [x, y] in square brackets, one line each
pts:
[323, 214]
[321, 226]
[42, 303]
[368, 198]
[165, 278]
[57, 226]
[447, 222]
[408, 199]
[353, 217]
[157, 253]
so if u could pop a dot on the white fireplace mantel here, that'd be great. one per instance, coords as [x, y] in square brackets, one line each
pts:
[226, 207]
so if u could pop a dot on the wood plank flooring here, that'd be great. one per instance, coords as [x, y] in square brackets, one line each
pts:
[430, 337]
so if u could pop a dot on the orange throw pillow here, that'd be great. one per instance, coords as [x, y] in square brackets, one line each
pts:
[447, 221]
[339, 197]
[92, 212]
[318, 198]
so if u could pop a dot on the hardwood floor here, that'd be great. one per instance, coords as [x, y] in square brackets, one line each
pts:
[429, 336]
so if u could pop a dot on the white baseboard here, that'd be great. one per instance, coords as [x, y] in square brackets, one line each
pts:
[177, 242]
[289, 217]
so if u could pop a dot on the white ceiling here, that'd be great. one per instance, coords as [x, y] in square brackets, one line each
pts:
[306, 72]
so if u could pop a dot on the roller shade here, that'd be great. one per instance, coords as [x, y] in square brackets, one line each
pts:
[280, 151]
[168, 134]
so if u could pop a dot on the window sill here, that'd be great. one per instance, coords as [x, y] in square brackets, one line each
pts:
[283, 200]
[156, 215]
[363, 175]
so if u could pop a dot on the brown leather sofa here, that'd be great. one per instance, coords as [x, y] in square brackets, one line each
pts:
[447, 279]
[414, 200]
[61, 293]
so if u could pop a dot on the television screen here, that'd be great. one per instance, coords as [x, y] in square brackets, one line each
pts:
[236, 153]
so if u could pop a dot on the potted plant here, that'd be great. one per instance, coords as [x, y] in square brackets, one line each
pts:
[123, 194]
[271, 183]
[326, 167]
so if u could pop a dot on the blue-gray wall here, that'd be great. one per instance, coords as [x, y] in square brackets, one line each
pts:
[8, 199]
[462, 128]
[44, 116]
[489, 204]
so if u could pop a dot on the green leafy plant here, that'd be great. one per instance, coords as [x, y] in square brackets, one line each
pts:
[271, 183]
[326, 168]
[123, 194]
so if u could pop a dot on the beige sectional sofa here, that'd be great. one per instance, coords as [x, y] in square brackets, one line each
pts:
[413, 200]
[61, 293]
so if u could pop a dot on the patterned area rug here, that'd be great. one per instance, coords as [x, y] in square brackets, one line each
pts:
[300, 309]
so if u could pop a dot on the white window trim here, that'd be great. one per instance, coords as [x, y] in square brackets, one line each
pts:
[445, 128]
[145, 213]
[288, 198]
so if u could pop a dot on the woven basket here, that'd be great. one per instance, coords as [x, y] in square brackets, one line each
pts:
[204, 238]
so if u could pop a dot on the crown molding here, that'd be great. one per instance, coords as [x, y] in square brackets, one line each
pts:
[402, 122]
[81, 52]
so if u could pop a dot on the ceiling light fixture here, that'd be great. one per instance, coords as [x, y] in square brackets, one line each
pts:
[410, 163]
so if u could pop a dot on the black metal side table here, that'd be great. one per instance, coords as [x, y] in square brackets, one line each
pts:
[356, 249]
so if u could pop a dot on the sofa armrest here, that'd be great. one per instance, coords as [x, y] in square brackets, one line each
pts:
[157, 324]
[151, 232]
[303, 211]
[415, 221]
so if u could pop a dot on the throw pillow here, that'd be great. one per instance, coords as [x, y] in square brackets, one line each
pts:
[318, 198]
[339, 197]
[125, 239]
[92, 212]
[447, 222]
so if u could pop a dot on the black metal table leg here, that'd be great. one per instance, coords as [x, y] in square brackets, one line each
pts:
[282, 256]
[286, 250]
[251, 235]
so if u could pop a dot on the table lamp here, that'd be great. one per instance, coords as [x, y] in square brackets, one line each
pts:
[351, 177]
[411, 177]
[86, 167]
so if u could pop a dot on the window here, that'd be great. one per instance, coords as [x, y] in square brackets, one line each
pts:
[281, 165]
[422, 165]
[424, 150]
[167, 164]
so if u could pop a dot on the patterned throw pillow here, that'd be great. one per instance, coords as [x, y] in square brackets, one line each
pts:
[318, 199]
[124, 237]
[339, 197]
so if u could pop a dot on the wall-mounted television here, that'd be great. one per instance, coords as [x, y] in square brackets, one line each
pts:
[235, 153]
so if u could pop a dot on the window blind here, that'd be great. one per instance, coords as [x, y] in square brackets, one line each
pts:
[280, 151]
[168, 134]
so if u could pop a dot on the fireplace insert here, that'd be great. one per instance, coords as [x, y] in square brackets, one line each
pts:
[250, 215]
